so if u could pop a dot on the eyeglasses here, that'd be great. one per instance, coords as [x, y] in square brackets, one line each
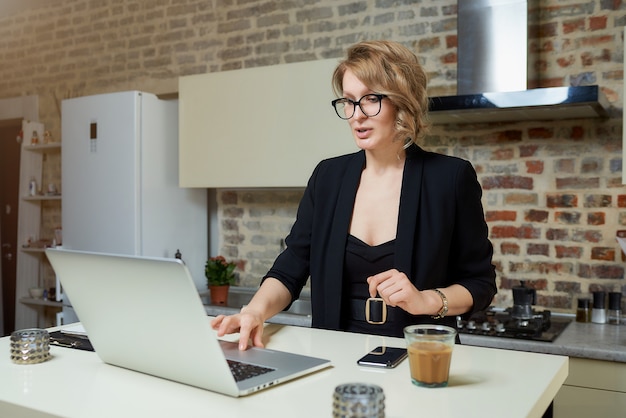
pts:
[370, 105]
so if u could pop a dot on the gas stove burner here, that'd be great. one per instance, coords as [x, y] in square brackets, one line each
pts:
[537, 326]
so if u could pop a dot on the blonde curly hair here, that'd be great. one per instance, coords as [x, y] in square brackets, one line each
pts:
[391, 69]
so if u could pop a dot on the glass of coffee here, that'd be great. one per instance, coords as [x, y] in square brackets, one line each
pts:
[430, 352]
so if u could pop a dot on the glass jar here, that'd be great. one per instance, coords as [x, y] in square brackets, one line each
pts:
[583, 312]
[614, 314]
[358, 400]
[30, 346]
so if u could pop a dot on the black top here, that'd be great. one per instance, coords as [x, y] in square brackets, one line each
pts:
[362, 261]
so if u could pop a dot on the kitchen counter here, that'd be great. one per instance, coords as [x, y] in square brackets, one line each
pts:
[75, 383]
[597, 360]
[582, 340]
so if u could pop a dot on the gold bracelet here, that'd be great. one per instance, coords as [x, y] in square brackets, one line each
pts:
[444, 309]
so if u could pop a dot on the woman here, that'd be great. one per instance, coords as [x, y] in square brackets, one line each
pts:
[391, 235]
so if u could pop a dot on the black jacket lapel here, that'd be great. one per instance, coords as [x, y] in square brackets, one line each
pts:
[409, 211]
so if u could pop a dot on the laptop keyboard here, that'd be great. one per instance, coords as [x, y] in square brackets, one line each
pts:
[242, 371]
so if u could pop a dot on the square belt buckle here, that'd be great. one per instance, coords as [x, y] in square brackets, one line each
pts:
[381, 307]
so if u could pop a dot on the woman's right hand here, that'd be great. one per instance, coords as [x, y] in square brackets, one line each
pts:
[249, 325]
[271, 298]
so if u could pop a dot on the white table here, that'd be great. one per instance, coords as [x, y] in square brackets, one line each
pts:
[483, 382]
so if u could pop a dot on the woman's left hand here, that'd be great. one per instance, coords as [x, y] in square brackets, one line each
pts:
[396, 289]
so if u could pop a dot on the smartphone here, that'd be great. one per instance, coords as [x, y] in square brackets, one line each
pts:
[388, 357]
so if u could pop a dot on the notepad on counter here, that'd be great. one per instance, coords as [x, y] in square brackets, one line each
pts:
[73, 336]
[76, 330]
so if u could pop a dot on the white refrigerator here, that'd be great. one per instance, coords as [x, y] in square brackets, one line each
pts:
[120, 182]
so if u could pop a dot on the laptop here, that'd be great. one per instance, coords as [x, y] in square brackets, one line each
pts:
[145, 314]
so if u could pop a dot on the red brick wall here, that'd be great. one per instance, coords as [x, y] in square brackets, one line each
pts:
[552, 194]
[552, 190]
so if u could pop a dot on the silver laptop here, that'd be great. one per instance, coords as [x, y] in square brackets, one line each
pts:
[145, 314]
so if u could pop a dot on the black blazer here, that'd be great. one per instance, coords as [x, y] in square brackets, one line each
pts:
[442, 236]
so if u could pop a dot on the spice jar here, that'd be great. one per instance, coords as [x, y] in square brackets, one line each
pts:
[583, 313]
[32, 187]
[615, 308]
[598, 312]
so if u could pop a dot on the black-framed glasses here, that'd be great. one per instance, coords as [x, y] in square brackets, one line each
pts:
[370, 105]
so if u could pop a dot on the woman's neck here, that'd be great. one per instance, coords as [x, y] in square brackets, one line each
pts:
[381, 162]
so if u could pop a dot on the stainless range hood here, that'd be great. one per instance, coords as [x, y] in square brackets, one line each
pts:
[494, 69]
[534, 104]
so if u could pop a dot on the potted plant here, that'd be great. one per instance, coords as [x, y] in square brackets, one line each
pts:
[220, 274]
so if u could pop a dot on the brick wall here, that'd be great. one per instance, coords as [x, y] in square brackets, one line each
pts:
[552, 190]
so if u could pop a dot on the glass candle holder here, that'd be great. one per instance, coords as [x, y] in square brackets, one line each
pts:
[358, 400]
[30, 346]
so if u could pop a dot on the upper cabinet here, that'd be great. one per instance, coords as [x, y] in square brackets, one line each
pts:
[259, 127]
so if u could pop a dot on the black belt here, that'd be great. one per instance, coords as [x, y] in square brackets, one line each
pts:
[374, 311]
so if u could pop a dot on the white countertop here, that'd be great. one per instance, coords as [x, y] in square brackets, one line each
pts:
[76, 383]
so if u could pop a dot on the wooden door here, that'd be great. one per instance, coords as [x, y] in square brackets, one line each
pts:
[10, 150]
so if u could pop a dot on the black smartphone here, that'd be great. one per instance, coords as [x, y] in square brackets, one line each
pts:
[388, 357]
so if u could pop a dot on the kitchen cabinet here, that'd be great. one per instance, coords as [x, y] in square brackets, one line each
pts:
[31, 259]
[593, 388]
[259, 127]
[596, 384]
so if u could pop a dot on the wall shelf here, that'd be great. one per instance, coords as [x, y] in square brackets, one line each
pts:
[33, 250]
[31, 260]
[41, 302]
[44, 147]
[42, 197]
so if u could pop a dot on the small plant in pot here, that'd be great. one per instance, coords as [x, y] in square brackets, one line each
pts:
[220, 274]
